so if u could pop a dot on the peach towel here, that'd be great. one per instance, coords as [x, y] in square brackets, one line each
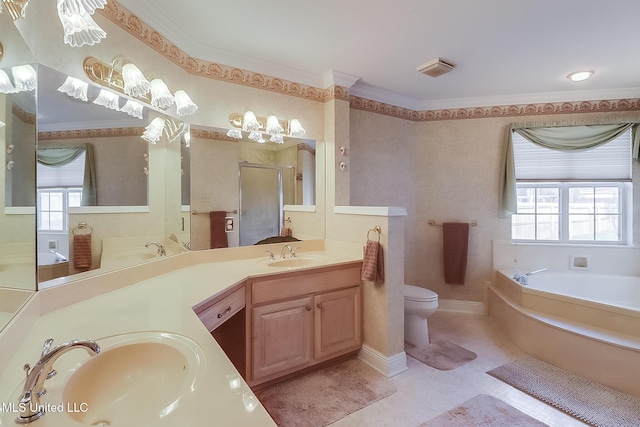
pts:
[82, 251]
[455, 245]
[286, 232]
[218, 233]
[373, 263]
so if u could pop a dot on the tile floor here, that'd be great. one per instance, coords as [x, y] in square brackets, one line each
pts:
[425, 392]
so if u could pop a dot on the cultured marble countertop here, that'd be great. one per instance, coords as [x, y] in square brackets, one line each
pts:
[160, 303]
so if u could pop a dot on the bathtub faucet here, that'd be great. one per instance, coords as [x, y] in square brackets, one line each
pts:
[59, 256]
[523, 279]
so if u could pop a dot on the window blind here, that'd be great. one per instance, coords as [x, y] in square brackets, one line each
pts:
[69, 175]
[608, 162]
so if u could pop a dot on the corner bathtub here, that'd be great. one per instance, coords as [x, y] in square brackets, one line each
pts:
[585, 323]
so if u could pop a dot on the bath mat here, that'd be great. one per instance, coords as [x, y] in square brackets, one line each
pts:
[325, 396]
[440, 354]
[587, 400]
[483, 410]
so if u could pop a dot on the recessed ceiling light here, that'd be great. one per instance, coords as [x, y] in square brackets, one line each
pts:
[579, 76]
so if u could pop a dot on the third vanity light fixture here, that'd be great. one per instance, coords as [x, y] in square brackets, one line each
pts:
[271, 125]
[127, 79]
[79, 27]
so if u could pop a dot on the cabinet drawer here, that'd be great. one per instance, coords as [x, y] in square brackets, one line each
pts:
[222, 310]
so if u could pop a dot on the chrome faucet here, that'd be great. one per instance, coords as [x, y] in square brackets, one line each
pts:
[30, 408]
[285, 247]
[59, 256]
[523, 279]
[161, 250]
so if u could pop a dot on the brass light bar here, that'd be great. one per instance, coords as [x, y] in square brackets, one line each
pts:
[16, 8]
[235, 119]
[107, 76]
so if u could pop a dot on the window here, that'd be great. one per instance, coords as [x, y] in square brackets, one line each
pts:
[53, 205]
[59, 188]
[572, 197]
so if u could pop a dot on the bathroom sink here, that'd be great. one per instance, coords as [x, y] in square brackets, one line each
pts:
[296, 262]
[136, 381]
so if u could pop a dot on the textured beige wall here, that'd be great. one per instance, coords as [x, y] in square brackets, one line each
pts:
[444, 170]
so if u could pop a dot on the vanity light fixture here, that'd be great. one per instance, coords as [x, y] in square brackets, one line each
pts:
[135, 83]
[184, 104]
[153, 132]
[79, 27]
[75, 88]
[5, 83]
[160, 95]
[579, 76]
[276, 128]
[133, 108]
[24, 77]
[108, 99]
[16, 8]
[186, 135]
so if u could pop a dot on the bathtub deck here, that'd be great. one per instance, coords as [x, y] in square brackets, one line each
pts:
[602, 354]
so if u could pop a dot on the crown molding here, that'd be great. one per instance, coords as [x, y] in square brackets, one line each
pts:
[54, 135]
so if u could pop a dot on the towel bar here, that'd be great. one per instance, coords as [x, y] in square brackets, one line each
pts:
[195, 212]
[433, 223]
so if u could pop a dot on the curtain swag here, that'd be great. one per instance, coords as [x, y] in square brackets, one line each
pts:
[57, 157]
[565, 138]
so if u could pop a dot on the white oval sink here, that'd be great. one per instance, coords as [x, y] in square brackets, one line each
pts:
[295, 262]
[135, 382]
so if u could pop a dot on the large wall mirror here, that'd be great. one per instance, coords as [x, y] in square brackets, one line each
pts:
[248, 183]
[18, 142]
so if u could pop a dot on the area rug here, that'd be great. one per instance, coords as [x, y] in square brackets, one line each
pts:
[483, 410]
[587, 400]
[325, 396]
[440, 354]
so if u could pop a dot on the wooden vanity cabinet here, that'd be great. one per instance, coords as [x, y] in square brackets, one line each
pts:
[297, 320]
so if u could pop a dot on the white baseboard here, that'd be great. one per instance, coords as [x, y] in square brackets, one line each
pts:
[470, 307]
[387, 366]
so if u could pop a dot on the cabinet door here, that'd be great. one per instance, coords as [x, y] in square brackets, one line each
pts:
[337, 322]
[281, 337]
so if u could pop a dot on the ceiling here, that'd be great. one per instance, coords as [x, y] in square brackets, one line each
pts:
[504, 51]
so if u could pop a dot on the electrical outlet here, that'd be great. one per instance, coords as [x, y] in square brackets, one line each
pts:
[228, 224]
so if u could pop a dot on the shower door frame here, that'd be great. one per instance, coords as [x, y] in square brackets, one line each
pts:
[280, 197]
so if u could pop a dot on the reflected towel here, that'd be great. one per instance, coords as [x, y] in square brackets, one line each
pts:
[455, 245]
[218, 234]
[286, 232]
[82, 251]
[373, 263]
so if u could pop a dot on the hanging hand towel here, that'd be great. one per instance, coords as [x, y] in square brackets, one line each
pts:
[82, 251]
[373, 263]
[218, 234]
[286, 232]
[455, 244]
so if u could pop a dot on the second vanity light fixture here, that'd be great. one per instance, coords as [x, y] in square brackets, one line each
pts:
[79, 27]
[127, 79]
[271, 125]
[24, 79]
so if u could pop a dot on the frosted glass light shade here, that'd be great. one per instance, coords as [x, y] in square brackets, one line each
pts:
[75, 88]
[133, 108]
[24, 77]
[256, 136]
[80, 29]
[1, 124]
[295, 129]
[186, 135]
[184, 104]
[250, 122]
[107, 99]
[160, 95]
[70, 7]
[273, 126]
[153, 132]
[278, 139]
[135, 83]
[5, 84]
[234, 133]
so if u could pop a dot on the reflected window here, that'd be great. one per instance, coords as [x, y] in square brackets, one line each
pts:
[59, 188]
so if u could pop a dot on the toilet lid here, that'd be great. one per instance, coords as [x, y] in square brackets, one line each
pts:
[416, 293]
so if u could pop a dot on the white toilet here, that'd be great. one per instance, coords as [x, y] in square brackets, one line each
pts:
[419, 304]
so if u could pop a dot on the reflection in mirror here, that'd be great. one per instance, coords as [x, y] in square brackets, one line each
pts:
[97, 181]
[17, 142]
[247, 184]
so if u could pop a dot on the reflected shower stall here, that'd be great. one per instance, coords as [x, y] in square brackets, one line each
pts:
[264, 190]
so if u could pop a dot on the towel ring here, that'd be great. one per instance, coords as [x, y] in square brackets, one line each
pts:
[377, 230]
[82, 225]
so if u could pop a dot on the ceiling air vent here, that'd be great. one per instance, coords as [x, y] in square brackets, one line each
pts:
[435, 68]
